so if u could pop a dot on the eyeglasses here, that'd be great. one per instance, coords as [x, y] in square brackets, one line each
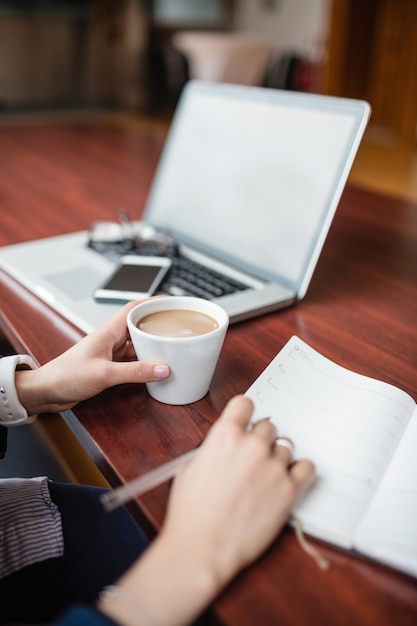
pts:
[126, 236]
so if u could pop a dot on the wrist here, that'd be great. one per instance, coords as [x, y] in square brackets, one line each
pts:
[122, 607]
[167, 587]
[13, 411]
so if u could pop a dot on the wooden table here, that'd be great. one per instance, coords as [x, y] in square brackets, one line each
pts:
[360, 310]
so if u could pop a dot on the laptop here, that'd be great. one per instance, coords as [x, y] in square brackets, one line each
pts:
[247, 186]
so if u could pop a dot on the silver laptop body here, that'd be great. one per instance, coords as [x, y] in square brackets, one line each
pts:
[248, 184]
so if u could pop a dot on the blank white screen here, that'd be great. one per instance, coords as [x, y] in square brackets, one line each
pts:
[253, 180]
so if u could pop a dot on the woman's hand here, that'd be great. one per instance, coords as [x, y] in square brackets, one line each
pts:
[226, 507]
[102, 359]
[233, 499]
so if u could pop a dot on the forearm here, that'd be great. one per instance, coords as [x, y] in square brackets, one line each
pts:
[33, 393]
[170, 586]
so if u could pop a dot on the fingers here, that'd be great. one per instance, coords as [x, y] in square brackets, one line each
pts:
[302, 473]
[117, 324]
[136, 372]
[238, 410]
[284, 449]
[147, 372]
[266, 430]
[281, 447]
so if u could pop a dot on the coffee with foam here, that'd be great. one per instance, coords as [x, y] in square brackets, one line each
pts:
[180, 323]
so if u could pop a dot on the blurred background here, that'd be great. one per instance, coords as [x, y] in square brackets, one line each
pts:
[134, 56]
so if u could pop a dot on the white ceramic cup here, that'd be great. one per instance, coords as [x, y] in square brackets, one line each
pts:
[192, 359]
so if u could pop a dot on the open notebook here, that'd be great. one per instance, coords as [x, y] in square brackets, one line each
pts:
[247, 186]
[361, 433]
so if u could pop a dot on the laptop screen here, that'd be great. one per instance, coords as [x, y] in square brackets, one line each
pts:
[254, 176]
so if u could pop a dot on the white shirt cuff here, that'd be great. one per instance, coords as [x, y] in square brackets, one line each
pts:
[12, 413]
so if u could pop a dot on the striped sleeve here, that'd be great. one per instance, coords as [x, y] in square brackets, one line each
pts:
[30, 524]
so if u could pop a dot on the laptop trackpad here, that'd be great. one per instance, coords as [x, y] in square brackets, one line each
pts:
[78, 283]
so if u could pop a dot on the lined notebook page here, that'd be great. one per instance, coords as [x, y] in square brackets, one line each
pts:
[388, 532]
[348, 424]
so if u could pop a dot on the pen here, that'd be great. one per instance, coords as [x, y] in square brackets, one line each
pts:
[136, 487]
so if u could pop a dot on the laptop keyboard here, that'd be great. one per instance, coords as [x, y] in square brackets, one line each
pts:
[189, 278]
[185, 277]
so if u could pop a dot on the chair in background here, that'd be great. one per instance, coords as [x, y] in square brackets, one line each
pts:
[225, 56]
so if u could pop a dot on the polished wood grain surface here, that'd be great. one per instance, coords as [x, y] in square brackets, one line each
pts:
[360, 310]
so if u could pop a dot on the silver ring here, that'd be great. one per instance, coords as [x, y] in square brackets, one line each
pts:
[287, 443]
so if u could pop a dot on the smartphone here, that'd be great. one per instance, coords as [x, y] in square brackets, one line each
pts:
[136, 277]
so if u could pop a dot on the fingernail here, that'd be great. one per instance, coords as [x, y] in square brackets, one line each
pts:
[161, 371]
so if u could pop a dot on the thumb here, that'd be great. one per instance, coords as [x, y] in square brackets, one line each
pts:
[137, 372]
